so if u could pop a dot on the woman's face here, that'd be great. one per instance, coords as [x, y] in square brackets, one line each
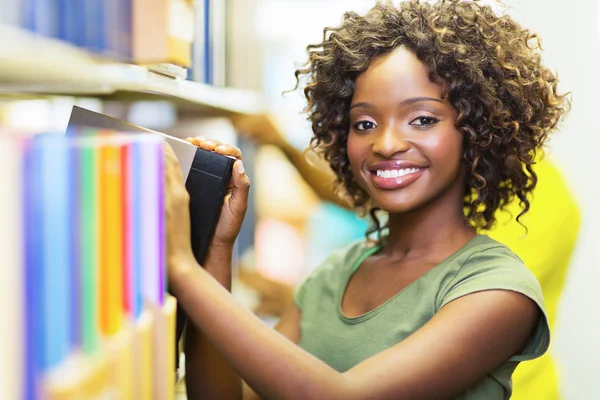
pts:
[403, 146]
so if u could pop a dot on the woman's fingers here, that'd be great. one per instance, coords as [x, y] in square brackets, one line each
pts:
[229, 150]
[239, 192]
[216, 146]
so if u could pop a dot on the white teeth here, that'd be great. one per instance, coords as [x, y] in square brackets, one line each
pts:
[396, 173]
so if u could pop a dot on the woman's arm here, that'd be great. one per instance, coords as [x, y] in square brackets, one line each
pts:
[461, 344]
[208, 374]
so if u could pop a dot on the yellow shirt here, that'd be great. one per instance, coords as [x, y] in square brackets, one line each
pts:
[553, 223]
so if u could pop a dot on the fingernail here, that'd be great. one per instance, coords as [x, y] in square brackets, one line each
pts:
[241, 168]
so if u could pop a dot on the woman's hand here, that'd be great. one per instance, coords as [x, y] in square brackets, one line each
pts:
[236, 199]
[177, 199]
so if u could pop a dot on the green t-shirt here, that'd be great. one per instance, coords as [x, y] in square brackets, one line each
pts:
[342, 342]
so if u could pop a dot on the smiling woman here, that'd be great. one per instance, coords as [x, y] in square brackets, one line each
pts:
[421, 110]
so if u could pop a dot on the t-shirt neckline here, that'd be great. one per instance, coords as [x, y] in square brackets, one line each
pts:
[369, 252]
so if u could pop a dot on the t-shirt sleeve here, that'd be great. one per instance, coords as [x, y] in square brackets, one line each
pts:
[327, 271]
[315, 276]
[500, 269]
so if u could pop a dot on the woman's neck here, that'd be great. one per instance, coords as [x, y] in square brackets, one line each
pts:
[436, 228]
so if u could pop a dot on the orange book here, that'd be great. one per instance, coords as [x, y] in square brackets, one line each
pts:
[111, 239]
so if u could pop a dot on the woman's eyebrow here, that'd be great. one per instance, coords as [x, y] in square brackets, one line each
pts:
[406, 102]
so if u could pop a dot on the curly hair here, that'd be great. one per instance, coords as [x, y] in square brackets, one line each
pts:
[507, 101]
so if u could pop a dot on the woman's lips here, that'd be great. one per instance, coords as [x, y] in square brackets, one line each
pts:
[395, 178]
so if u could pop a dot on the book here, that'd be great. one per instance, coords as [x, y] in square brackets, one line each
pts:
[53, 166]
[12, 290]
[163, 348]
[87, 231]
[111, 239]
[162, 31]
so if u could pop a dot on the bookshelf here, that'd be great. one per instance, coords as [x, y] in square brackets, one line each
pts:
[34, 66]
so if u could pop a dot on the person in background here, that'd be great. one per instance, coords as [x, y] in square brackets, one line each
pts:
[433, 113]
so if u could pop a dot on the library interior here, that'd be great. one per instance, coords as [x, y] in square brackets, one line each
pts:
[348, 173]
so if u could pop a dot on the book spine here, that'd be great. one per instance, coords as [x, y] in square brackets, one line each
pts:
[32, 222]
[128, 229]
[12, 290]
[42, 17]
[152, 215]
[136, 174]
[93, 12]
[56, 254]
[11, 12]
[111, 242]
[89, 247]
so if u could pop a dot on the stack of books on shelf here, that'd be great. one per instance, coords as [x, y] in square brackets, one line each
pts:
[83, 253]
[177, 38]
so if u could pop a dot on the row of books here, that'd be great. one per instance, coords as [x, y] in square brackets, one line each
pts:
[82, 241]
[186, 33]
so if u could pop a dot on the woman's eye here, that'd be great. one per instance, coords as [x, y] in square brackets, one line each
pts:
[364, 126]
[424, 121]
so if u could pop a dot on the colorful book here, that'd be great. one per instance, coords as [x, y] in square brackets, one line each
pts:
[55, 224]
[88, 208]
[111, 242]
[151, 180]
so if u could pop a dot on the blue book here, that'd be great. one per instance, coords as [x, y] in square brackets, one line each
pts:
[42, 17]
[71, 27]
[208, 50]
[137, 197]
[110, 27]
[126, 29]
[54, 225]
[93, 23]
[33, 210]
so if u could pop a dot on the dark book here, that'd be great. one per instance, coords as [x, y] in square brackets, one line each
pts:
[206, 175]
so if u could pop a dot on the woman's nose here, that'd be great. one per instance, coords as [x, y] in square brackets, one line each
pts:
[390, 141]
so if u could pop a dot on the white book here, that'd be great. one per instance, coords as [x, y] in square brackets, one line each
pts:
[10, 12]
[11, 264]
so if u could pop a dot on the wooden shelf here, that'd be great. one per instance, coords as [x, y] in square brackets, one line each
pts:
[33, 65]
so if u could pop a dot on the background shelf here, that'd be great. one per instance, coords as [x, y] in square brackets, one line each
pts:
[33, 65]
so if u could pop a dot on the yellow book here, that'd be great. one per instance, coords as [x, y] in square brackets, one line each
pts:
[111, 240]
[143, 387]
[164, 348]
[79, 377]
[120, 348]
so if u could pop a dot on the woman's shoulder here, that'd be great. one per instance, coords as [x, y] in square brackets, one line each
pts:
[487, 264]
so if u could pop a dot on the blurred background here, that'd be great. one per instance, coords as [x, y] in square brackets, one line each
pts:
[243, 56]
